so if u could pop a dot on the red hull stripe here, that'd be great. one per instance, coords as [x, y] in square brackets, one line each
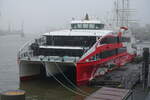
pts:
[101, 48]
[85, 70]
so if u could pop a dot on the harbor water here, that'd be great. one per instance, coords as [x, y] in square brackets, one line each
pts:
[39, 89]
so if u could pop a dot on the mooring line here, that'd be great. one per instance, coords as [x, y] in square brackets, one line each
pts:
[70, 80]
[73, 91]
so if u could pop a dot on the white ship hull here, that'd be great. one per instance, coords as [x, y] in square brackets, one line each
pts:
[54, 68]
[32, 69]
[28, 69]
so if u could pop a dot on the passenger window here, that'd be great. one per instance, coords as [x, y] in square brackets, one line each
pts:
[109, 40]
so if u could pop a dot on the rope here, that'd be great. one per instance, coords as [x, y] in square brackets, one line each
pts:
[73, 91]
[70, 80]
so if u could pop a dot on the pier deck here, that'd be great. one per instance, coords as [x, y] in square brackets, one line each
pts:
[125, 77]
[106, 93]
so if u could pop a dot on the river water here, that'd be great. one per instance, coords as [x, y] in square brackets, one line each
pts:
[40, 89]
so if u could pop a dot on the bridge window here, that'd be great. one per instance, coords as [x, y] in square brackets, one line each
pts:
[87, 26]
[74, 26]
[91, 26]
[80, 26]
[99, 26]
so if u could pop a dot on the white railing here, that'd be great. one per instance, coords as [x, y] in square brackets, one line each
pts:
[25, 51]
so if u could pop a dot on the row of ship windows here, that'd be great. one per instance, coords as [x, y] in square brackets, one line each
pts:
[87, 26]
[107, 54]
[110, 40]
[84, 40]
[70, 41]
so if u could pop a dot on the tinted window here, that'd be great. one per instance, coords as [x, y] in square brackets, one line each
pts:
[71, 40]
[91, 26]
[74, 26]
[79, 26]
[106, 54]
[109, 40]
[99, 26]
[121, 50]
[85, 26]
[109, 53]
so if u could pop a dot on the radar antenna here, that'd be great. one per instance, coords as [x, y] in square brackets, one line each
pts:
[86, 17]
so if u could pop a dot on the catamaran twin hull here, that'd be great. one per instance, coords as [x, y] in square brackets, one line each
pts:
[100, 59]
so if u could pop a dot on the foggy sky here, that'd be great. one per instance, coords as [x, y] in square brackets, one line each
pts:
[43, 15]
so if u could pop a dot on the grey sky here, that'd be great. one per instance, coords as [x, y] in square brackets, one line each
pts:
[41, 15]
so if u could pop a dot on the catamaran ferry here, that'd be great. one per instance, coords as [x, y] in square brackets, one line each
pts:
[86, 50]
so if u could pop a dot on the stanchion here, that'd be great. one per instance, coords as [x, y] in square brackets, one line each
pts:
[13, 95]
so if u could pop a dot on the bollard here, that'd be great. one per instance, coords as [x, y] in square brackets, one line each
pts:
[13, 95]
[146, 55]
[145, 67]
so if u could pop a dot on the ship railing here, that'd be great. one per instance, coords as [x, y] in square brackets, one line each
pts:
[59, 59]
[26, 54]
[41, 41]
[25, 50]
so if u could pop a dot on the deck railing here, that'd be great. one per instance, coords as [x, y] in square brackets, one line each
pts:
[26, 51]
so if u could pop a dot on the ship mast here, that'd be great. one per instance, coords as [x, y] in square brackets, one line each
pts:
[122, 13]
